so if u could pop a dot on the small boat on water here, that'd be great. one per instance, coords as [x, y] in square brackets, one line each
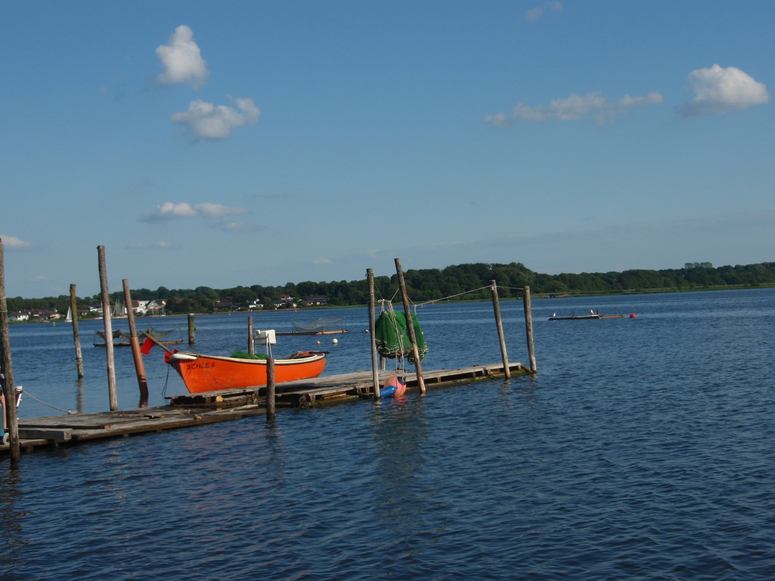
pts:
[593, 315]
[203, 373]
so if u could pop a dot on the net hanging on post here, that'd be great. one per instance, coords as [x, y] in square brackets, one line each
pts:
[392, 337]
[321, 325]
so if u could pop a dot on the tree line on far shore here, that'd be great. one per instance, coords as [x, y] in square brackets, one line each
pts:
[433, 284]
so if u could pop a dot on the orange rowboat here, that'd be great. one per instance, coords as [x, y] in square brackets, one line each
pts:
[203, 373]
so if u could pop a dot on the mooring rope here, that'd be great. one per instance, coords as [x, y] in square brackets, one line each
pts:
[453, 296]
[28, 394]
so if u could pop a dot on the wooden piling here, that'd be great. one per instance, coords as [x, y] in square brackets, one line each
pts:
[529, 329]
[135, 344]
[11, 422]
[76, 337]
[191, 329]
[499, 324]
[108, 325]
[251, 341]
[270, 391]
[410, 326]
[372, 329]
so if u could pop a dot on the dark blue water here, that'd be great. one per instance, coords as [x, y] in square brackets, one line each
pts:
[643, 450]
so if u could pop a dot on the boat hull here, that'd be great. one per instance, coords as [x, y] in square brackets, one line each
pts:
[205, 373]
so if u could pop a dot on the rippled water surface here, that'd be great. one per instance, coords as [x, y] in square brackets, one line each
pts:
[642, 450]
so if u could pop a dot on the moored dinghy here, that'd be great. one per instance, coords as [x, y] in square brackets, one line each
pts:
[203, 373]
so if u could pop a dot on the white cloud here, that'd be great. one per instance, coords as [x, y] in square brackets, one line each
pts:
[535, 13]
[16, 243]
[321, 261]
[216, 122]
[182, 60]
[171, 211]
[573, 108]
[217, 210]
[718, 90]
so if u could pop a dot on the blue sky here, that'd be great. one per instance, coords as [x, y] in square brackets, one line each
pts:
[240, 143]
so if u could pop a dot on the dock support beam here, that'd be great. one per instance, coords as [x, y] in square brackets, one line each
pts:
[410, 327]
[529, 329]
[142, 382]
[270, 391]
[10, 420]
[108, 324]
[372, 328]
[191, 329]
[251, 341]
[499, 324]
[76, 338]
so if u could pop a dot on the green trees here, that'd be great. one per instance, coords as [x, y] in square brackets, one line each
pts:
[434, 284]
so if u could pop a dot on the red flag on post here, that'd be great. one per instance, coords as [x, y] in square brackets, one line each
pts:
[147, 346]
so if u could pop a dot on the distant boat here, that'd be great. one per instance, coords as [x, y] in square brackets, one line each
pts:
[594, 315]
[69, 316]
[118, 311]
[204, 373]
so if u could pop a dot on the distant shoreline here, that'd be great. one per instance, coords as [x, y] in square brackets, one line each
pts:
[537, 296]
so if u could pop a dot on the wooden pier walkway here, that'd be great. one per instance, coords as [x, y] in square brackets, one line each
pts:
[228, 405]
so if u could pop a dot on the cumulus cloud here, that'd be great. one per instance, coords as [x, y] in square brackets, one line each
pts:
[573, 108]
[535, 13]
[216, 122]
[15, 243]
[171, 211]
[718, 90]
[182, 60]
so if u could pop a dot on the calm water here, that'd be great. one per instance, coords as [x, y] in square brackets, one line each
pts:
[643, 450]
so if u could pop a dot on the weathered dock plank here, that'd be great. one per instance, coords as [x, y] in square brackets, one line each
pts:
[229, 405]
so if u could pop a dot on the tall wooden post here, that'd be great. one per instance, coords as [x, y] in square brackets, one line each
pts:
[410, 327]
[191, 329]
[108, 324]
[251, 341]
[372, 329]
[529, 329]
[135, 343]
[499, 324]
[76, 337]
[270, 391]
[10, 422]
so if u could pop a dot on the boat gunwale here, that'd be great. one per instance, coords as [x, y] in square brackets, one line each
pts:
[315, 356]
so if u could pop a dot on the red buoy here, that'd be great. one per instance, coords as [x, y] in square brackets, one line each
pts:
[632, 315]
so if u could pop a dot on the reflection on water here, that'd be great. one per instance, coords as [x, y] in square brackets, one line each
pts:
[642, 450]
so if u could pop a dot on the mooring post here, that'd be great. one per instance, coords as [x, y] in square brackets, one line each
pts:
[410, 327]
[372, 328]
[270, 391]
[529, 329]
[191, 329]
[76, 338]
[134, 341]
[108, 324]
[10, 420]
[251, 341]
[499, 324]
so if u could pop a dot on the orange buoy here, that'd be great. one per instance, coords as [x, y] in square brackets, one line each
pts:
[393, 387]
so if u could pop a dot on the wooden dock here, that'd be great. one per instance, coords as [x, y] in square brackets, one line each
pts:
[207, 408]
